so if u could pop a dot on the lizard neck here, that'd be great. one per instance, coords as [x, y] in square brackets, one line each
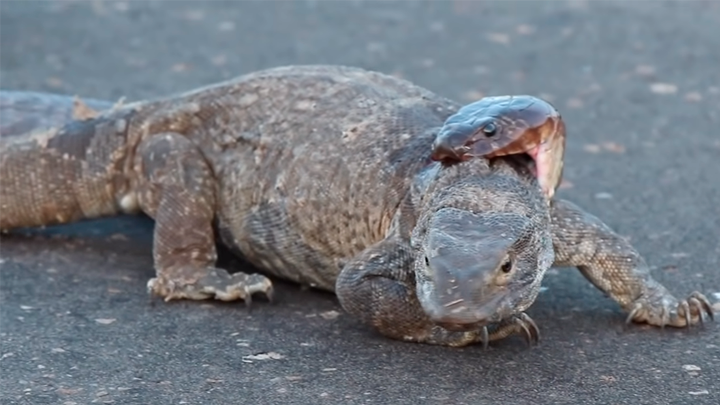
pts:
[478, 185]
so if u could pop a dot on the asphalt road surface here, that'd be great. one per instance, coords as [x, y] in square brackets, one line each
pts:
[637, 82]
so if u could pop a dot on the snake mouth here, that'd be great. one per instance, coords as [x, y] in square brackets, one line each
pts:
[548, 158]
[533, 153]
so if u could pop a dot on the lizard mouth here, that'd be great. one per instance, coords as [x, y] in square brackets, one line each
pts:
[462, 327]
[459, 316]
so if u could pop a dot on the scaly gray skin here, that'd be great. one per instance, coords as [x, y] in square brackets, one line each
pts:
[322, 175]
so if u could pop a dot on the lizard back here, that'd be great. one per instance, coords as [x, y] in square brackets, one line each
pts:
[312, 163]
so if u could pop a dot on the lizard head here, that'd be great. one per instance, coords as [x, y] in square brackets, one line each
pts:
[477, 269]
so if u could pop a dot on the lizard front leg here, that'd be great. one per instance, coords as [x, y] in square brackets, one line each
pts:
[378, 286]
[177, 188]
[616, 268]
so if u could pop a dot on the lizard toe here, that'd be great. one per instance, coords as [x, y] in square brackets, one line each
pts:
[667, 311]
[231, 287]
[697, 305]
[215, 283]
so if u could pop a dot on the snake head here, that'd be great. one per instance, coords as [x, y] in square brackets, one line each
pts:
[507, 125]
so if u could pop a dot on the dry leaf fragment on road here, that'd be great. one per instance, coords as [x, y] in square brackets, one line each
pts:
[180, 67]
[613, 147]
[605, 146]
[226, 26]
[54, 82]
[118, 237]
[663, 88]
[481, 70]
[263, 356]
[498, 38]
[693, 97]
[219, 60]
[473, 95]
[524, 29]
[608, 378]
[68, 391]
[574, 102]
[327, 315]
[645, 70]
[547, 97]
[194, 15]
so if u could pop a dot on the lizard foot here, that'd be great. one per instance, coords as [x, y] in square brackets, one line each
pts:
[521, 323]
[216, 283]
[665, 310]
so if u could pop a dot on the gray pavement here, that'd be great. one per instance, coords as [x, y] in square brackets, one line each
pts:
[638, 84]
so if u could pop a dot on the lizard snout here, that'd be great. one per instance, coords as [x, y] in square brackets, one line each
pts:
[466, 291]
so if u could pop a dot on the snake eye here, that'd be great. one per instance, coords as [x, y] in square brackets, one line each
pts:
[507, 266]
[490, 129]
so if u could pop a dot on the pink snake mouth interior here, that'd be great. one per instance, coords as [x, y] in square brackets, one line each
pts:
[534, 153]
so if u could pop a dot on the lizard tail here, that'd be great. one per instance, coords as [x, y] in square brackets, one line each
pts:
[59, 160]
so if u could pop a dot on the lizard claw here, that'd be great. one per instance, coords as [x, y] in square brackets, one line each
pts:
[529, 327]
[702, 305]
[521, 323]
[665, 310]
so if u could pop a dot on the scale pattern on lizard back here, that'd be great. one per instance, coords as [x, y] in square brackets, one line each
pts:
[304, 185]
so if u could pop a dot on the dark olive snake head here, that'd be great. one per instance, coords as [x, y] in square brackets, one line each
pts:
[506, 125]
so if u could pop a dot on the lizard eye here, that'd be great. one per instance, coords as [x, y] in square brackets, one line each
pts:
[507, 266]
[490, 129]
[427, 262]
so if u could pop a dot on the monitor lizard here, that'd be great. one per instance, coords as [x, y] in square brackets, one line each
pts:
[324, 175]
